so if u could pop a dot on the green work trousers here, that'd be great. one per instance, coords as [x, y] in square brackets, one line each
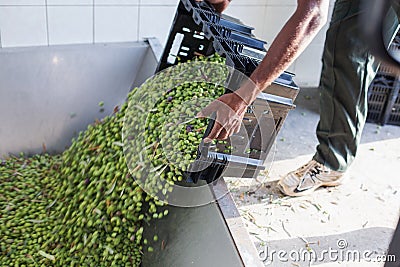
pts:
[347, 71]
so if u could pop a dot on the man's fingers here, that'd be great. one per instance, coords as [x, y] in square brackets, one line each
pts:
[232, 129]
[229, 129]
[216, 130]
[220, 132]
[223, 134]
[227, 122]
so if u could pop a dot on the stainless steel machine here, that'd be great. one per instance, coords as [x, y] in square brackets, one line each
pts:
[49, 94]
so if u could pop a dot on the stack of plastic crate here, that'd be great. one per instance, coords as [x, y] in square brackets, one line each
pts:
[383, 94]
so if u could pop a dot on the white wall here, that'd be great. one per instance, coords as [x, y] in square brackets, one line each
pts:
[53, 22]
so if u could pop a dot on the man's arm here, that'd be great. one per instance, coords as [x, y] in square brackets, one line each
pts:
[290, 42]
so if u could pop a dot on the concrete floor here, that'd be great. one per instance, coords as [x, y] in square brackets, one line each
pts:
[349, 225]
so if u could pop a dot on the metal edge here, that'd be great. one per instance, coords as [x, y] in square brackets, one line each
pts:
[292, 85]
[67, 47]
[155, 47]
[235, 158]
[286, 79]
[276, 99]
[245, 247]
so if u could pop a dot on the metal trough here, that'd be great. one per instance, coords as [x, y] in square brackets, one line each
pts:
[49, 94]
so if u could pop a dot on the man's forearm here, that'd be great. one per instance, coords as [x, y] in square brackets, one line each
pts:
[294, 37]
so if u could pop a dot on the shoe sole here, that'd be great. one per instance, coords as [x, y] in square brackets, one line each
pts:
[311, 190]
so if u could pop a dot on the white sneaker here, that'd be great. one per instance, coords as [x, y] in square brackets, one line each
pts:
[308, 178]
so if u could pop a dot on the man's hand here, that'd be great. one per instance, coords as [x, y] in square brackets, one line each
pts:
[230, 109]
[219, 5]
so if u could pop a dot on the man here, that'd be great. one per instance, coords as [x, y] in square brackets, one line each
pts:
[348, 69]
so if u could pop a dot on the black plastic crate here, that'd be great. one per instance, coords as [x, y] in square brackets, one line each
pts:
[384, 103]
[377, 99]
[394, 117]
[383, 94]
[245, 39]
[198, 30]
[383, 79]
[232, 23]
[186, 41]
[206, 13]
